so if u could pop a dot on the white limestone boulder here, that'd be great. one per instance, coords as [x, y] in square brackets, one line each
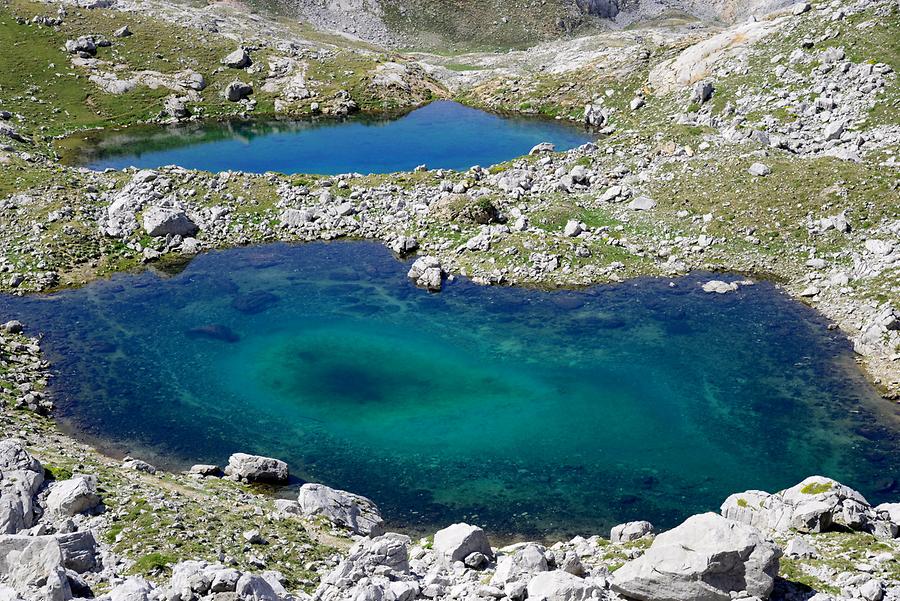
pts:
[561, 586]
[164, 221]
[354, 512]
[256, 468]
[630, 531]
[706, 558]
[458, 541]
[817, 504]
[73, 496]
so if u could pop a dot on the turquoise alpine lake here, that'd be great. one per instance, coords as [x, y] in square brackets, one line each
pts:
[443, 134]
[532, 413]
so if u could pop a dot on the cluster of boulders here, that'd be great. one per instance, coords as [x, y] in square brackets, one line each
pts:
[46, 542]
[150, 197]
[817, 504]
[708, 557]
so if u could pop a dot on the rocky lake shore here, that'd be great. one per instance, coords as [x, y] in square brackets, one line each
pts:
[767, 147]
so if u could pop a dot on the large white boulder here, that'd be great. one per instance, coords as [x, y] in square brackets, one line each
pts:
[238, 59]
[706, 558]
[891, 511]
[73, 496]
[345, 509]
[560, 586]
[630, 531]
[164, 221]
[427, 273]
[458, 541]
[385, 556]
[255, 468]
[255, 588]
[133, 589]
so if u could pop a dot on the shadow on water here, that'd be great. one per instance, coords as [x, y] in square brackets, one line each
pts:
[534, 413]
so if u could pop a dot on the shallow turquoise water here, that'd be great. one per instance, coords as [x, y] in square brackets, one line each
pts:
[442, 135]
[532, 413]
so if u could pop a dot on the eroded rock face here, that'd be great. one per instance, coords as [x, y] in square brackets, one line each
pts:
[706, 558]
[33, 566]
[372, 570]
[357, 513]
[255, 468]
[21, 475]
[606, 9]
[521, 565]
[817, 504]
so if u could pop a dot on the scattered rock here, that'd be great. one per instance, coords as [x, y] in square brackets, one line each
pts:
[255, 468]
[73, 496]
[427, 273]
[354, 512]
[239, 59]
[703, 91]
[237, 91]
[759, 170]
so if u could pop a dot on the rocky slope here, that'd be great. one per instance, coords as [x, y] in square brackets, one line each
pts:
[768, 148]
[502, 24]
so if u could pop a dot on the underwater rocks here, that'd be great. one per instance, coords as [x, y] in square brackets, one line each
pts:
[214, 331]
[254, 468]
[706, 558]
[354, 512]
[817, 504]
[254, 302]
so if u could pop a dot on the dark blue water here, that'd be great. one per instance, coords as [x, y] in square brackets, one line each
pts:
[442, 135]
[532, 413]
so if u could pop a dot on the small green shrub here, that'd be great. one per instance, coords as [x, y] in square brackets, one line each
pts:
[816, 488]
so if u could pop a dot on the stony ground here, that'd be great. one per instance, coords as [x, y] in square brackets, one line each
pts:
[768, 148]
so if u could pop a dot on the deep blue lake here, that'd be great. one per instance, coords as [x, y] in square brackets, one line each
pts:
[532, 413]
[442, 134]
